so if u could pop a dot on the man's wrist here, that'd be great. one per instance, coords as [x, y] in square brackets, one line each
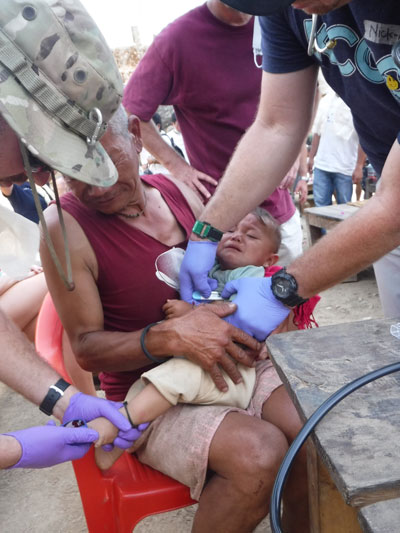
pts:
[205, 230]
[157, 339]
[305, 178]
[62, 404]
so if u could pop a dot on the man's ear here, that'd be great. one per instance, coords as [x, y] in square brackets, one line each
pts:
[134, 130]
[272, 259]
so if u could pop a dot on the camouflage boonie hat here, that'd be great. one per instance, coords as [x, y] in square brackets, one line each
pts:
[59, 85]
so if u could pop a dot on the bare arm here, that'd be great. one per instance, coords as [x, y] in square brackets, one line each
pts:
[23, 370]
[358, 170]
[168, 157]
[313, 150]
[356, 242]
[268, 149]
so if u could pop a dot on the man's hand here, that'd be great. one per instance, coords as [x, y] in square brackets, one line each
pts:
[193, 179]
[205, 339]
[357, 174]
[290, 177]
[86, 408]
[258, 312]
[302, 190]
[199, 258]
[50, 445]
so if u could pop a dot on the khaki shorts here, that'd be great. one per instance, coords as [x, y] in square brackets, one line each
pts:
[178, 442]
[181, 381]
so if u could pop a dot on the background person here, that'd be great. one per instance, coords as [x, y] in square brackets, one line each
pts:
[214, 110]
[334, 153]
[21, 200]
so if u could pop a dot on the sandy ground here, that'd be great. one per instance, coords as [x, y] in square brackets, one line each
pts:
[39, 501]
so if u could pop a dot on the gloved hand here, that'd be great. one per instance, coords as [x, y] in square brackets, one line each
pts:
[258, 312]
[126, 439]
[84, 407]
[199, 258]
[49, 445]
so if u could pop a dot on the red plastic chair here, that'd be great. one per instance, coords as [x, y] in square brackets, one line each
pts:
[117, 499]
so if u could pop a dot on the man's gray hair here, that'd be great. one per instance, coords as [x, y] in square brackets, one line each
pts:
[119, 123]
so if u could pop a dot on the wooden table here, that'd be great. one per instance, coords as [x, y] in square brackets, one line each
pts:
[354, 456]
[326, 217]
[381, 517]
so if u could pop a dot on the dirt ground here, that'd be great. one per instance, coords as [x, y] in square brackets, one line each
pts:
[39, 501]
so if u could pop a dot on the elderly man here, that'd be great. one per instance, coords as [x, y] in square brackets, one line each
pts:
[115, 324]
[55, 67]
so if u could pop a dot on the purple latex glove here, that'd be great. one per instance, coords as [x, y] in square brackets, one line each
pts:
[258, 312]
[87, 408]
[199, 258]
[49, 445]
[126, 439]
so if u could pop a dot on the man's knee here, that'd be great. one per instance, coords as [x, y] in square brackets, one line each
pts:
[254, 465]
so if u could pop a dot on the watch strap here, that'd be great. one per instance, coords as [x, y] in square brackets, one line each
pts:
[54, 393]
[293, 299]
[204, 230]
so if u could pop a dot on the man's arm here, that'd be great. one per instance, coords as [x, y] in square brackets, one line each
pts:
[268, 149]
[168, 157]
[262, 158]
[24, 371]
[313, 151]
[358, 170]
[356, 242]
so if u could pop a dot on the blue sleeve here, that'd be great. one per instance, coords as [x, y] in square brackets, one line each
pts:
[284, 48]
[23, 203]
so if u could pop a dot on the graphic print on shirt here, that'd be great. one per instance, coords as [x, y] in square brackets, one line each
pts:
[375, 70]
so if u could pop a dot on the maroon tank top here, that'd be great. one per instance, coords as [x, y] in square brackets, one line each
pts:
[131, 294]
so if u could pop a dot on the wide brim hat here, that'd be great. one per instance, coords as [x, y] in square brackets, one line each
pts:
[258, 7]
[59, 85]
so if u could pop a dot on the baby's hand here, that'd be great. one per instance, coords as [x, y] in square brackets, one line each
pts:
[106, 430]
[176, 308]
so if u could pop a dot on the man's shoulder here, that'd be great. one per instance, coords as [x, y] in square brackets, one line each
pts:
[190, 196]
[182, 27]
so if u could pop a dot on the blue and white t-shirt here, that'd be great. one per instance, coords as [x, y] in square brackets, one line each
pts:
[359, 68]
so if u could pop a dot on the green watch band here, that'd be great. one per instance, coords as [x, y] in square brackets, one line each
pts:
[204, 230]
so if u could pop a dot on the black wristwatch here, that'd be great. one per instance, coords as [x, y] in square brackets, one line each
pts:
[54, 393]
[204, 230]
[284, 288]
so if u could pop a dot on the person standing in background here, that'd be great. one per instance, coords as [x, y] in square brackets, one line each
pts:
[214, 109]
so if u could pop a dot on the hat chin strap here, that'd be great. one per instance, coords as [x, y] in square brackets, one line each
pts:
[66, 278]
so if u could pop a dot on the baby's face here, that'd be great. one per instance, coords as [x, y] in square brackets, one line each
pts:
[248, 243]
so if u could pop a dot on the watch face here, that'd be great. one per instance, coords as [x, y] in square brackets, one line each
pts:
[282, 287]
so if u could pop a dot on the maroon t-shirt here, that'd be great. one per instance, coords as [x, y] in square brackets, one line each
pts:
[205, 69]
[131, 294]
